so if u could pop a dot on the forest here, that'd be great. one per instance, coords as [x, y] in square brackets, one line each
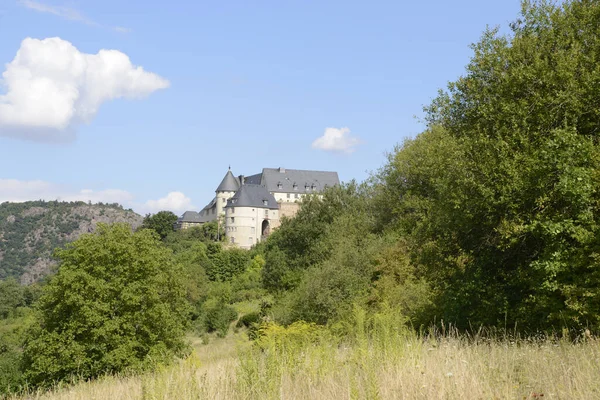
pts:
[481, 228]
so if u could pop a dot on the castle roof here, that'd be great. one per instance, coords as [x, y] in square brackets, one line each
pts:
[250, 195]
[229, 183]
[283, 180]
[192, 216]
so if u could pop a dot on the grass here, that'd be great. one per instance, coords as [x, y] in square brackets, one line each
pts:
[305, 362]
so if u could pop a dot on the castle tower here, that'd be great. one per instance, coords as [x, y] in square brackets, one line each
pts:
[229, 185]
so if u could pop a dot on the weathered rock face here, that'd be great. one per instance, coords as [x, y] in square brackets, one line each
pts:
[30, 231]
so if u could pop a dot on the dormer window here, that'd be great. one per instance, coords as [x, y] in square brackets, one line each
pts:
[306, 187]
[279, 185]
[266, 202]
[295, 186]
[313, 187]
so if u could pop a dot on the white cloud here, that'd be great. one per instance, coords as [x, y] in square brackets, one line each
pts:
[336, 140]
[174, 201]
[17, 191]
[67, 13]
[51, 87]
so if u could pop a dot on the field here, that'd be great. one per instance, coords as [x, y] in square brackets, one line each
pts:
[388, 365]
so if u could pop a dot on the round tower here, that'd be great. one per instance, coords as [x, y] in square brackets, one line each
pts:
[229, 185]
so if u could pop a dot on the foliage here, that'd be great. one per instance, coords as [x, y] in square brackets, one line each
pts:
[499, 196]
[219, 316]
[11, 334]
[249, 320]
[11, 296]
[163, 223]
[225, 263]
[207, 232]
[301, 242]
[116, 303]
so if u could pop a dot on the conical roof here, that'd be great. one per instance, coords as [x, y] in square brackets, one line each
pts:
[229, 183]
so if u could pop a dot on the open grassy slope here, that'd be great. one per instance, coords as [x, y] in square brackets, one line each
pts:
[395, 367]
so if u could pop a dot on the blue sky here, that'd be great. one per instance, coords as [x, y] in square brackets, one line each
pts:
[224, 83]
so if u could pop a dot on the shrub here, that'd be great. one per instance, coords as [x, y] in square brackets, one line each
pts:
[218, 317]
[248, 320]
[116, 303]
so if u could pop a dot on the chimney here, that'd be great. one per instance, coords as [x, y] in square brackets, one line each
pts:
[281, 170]
[242, 179]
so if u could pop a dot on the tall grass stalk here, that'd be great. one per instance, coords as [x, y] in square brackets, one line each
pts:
[376, 358]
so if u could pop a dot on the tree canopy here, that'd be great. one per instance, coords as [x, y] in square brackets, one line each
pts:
[163, 223]
[500, 195]
[117, 302]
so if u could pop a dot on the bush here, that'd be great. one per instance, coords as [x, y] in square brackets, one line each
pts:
[248, 320]
[117, 303]
[219, 316]
[10, 363]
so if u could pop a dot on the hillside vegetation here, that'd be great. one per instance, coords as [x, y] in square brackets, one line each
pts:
[30, 231]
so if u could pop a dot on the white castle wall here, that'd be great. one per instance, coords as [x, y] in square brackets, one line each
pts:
[243, 224]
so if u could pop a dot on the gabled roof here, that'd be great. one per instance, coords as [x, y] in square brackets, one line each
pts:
[192, 216]
[253, 179]
[283, 180]
[253, 196]
[229, 183]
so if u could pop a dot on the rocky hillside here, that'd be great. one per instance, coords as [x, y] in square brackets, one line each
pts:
[29, 232]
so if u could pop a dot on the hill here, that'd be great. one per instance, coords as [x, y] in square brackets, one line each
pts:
[30, 231]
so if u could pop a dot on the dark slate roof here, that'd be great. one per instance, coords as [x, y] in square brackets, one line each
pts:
[253, 179]
[229, 183]
[192, 216]
[297, 181]
[253, 196]
[210, 205]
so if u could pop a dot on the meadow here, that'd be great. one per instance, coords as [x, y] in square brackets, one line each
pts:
[307, 362]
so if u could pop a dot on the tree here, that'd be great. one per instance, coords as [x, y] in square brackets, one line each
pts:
[500, 195]
[162, 222]
[11, 297]
[116, 303]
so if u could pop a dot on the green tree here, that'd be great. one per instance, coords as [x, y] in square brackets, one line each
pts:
[12, 295]
[162, 222]
[499, 196]
[116, 303]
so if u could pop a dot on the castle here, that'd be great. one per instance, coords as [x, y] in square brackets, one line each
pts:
[250, 207]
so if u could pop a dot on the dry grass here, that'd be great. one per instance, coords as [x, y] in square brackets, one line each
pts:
[393, 367]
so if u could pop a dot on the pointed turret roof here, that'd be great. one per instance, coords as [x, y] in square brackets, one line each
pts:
[229, 183]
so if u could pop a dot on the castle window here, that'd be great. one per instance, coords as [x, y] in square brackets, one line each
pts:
[232, 210]
[232, 220]
[251, 239]
[295, 195]
[253, 230]
[232, 240]
[288, 195]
